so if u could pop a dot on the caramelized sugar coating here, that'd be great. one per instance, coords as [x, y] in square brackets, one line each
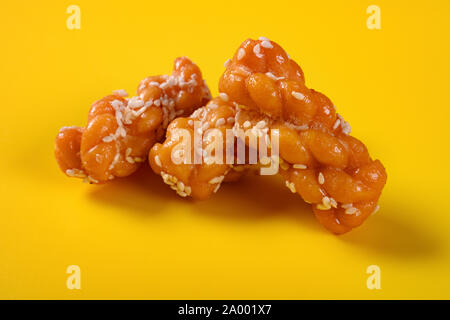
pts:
[319, 159]
[120, 131]
[187, 159]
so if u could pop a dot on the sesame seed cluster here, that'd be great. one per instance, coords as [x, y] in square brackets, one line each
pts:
[198, 180]
[318, 158]
[121, 130]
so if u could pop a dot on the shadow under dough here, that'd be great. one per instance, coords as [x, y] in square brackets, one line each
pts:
[259, 198]
[389, 236]
[143, 193]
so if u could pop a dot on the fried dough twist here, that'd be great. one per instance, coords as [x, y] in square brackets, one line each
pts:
[188, 160]
[121, 131]
[319, 159]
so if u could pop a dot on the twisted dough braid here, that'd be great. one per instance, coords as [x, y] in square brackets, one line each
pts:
[121, 131]
[319, 159]
[188, 178]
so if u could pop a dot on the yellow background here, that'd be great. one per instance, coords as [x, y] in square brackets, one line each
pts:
[134, 238]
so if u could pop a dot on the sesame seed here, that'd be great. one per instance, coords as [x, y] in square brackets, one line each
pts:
[122, 132]
[351, 210]
[321, 178]
[333, 203]
[180, 186]
[158, 161]
[240, 54]
[215, 180]
[223, 96]
[301, 127]
[261, 124]
[165, 85]
[108, 138]
[76, 173]
[116, 104]
[216, 188]
[263, 38]
[220, 122]
[321, 206]
[257, 51]
[326, 201]
[299, 166]
[170, 180]
[336, 124]
[92, 180]
[226, 64]
[256, 131]
[375, 210]
[135, 102]
[298, 95]
[291, 186]
[120, 92]
[273, 77]
[266, 44]
[247, 124]
[115, 160]
[346, 129]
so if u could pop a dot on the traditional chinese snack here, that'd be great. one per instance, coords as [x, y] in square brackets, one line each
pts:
[120, 131]
[265, 118]
[193, 158]
[319, 159]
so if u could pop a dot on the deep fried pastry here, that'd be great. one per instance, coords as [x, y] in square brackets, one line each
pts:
[319, 159]
[263, 99]
[197, 166]
[121, 131]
